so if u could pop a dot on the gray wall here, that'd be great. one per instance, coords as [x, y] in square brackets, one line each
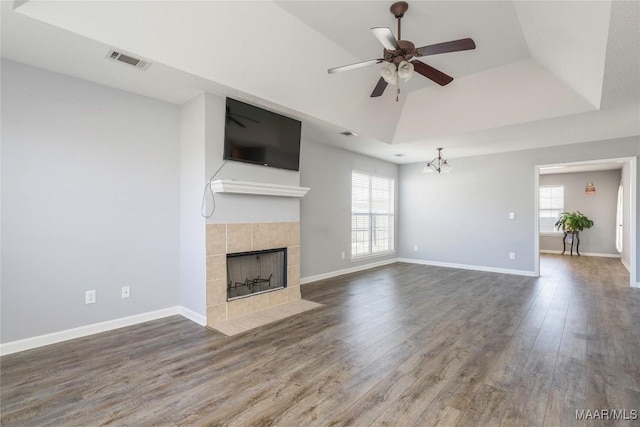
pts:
[325, 211]
[600, 207]
[192, 224]
[90, 200]
[462, 217]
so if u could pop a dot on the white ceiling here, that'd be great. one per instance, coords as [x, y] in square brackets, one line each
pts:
[544, 73]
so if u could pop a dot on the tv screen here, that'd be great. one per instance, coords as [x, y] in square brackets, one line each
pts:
[254, 135]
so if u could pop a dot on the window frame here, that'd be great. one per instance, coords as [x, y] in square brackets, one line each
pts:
[390, 214]
[555, 232]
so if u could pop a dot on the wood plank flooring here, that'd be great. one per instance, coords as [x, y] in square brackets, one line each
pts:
[400, 345]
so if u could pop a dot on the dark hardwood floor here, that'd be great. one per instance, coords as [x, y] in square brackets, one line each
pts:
[399, 345]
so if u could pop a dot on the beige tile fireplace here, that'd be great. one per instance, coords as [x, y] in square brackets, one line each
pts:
[223, 239]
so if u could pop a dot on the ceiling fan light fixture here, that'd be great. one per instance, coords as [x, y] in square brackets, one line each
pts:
[405, 70]
[389, 73]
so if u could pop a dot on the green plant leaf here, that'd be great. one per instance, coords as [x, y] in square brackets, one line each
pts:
[573, 221]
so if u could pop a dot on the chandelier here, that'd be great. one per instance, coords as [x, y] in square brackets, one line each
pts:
[438, 164]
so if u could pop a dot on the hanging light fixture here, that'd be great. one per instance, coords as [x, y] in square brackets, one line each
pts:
[591, 189]
[438, 164]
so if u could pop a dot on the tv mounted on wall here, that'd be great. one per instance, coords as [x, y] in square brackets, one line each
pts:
[255, 135]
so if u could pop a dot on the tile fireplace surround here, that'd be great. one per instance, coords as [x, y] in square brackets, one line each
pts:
[223, 239]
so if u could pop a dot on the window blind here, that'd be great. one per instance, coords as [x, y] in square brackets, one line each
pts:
[372, 215]
[551, 202]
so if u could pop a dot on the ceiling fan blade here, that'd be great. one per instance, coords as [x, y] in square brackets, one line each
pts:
[237, 122]
[379, 89]
[354, 66]
[386, 37]
[452, 46]
[231, 115]
[431, 73]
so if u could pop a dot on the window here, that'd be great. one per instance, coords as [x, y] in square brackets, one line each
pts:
[371, 215]
[551, 206]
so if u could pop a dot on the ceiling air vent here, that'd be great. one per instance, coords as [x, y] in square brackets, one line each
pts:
[128, 59]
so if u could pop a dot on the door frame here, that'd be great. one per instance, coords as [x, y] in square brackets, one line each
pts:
[631, 232]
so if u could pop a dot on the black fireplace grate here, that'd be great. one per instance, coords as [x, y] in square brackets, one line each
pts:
[251, 273]
[250, 286]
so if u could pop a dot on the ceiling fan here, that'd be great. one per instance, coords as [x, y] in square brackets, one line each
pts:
[398, 54]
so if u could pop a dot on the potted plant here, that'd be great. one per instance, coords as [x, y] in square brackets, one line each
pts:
[573, 221]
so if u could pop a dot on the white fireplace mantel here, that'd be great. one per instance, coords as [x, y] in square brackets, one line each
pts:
[257, 188]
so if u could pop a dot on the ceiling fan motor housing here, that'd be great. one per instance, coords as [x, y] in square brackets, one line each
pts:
[405, 53]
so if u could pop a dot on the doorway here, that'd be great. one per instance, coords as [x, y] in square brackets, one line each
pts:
[549, 202]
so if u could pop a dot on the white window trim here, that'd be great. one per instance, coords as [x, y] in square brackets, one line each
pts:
[355, 258]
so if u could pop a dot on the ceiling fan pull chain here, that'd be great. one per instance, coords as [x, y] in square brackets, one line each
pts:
[398, 94]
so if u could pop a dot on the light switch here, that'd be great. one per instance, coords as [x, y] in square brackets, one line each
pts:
[512, 215]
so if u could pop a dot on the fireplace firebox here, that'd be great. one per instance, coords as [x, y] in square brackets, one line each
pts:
[256, 272]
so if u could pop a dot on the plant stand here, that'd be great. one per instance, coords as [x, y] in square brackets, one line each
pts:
[575, 237]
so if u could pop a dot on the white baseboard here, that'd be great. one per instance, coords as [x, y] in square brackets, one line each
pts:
[470, 267]
[309, 279]
[95, 328]
[193, 316]
[626, 264]
[545, 251]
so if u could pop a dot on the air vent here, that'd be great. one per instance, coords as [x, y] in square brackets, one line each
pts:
[128, 59]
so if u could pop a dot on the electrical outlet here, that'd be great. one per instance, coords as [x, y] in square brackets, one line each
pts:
[512, 255]
[512, 215]
[415, 248]
[343, 255]
[126, 292]
[90, 297]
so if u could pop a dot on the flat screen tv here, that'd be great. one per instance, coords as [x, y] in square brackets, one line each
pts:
[255, 135]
